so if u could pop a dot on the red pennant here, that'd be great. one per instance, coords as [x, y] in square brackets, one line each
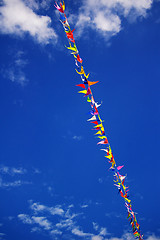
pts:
[96, 110]
[106, 141]
[81, 85]
[88, 92]
[79, 59]
[95, 122]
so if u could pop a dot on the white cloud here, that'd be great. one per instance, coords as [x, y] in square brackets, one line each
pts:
[57, 210]
[77, 137]
[95, 226]
[97, 238]
[17, 18]
[80, 233]
[45, 4]
[25, 218]
[15, 76]
[107, 22]
[37, 207]
[84, 206]
[12, 170]
[15, 71]
[55, 232]
[105, 15]
[103, 232]
[67, 223]
[16, 183]
[129, 236]
[2, 236]
[43, 222]
[153, 237]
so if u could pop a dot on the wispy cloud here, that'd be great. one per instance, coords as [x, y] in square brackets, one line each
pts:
[44, 218]
[17, 183]
[41, 221]
[97, 238]
[78, 138]
[15, 70]
[80, 233]
[37, 207]
[73, 136]
[12, 170]
[153, 237]
[2, 235]
[18, 19]
[33, 4]
[11, 177]
[84, 206]
[105, 15]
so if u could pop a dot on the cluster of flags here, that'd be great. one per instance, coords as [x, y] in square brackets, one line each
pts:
[95, 119]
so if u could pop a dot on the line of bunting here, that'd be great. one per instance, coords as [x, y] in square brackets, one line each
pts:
[95, 119]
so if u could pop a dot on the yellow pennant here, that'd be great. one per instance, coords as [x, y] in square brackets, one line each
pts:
[87, 75]
[103, 137]
[83, 91]
[127, 200]
[109, 157]
[63, 6]
[102, 129]
[99, 132]
[82, 71]
[99, 125]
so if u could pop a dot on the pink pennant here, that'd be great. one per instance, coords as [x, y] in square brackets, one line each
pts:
[59, 8]
[120, 167]
[103, 142]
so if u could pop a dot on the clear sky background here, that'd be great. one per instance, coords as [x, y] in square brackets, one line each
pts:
[54, 180]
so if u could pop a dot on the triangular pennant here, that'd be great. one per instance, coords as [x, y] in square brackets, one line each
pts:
[88, 99]
[97, 128]
[120, 167]
[92, 83]
[95, 122]
[86, 75]
[103, 137]
[83, 91]
[98, 105]
[79, 59]
[106, 150]
[103, 142]
[88, 92]
[99, 125]
[96, 110]
[99, 132]
[81, 85]
[92, 118]
[81, 72]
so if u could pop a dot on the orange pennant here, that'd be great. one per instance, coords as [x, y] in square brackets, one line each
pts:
[92, 83]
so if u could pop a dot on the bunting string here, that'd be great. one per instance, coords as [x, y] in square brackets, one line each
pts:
[95, 119]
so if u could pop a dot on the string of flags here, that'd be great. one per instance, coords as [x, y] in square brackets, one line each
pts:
[95, 119]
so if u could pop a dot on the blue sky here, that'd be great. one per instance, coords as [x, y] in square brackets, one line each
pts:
[54, 180]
